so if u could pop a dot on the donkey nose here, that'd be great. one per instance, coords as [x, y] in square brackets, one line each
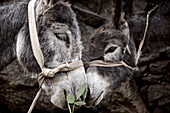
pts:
[88, 99]
[93, 97]
[59, 97]
[63, 84]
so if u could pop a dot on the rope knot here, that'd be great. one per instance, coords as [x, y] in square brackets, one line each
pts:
[47, 72]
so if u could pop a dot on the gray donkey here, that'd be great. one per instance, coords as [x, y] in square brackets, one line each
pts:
[57, 48]
[116, 41]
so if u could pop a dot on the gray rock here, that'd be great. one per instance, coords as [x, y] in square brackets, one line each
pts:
[158, 91]
[140, 72]
[160, 67]
[148, 57]
[153, 78]
[164, 100]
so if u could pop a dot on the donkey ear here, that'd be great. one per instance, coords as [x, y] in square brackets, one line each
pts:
[118, 19]
[43, 5]
[89, 18]
[49, 3]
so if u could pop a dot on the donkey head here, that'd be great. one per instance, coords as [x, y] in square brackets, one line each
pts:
[57, 48]
[109, 43]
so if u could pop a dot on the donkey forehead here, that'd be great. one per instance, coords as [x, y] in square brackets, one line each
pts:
[108, 35]
[60, 16]
[61, 12]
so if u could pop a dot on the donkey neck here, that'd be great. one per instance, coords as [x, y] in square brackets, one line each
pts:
[11, 20]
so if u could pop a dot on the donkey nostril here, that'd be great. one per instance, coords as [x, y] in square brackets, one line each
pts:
[88, 95]
[65, 93]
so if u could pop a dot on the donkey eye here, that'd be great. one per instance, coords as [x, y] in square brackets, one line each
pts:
[63, 37]
[111, 49]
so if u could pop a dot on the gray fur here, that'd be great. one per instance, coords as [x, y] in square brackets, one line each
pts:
[10, 26]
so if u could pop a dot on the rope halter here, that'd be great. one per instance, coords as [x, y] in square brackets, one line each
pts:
[100, 63]
[61, 68]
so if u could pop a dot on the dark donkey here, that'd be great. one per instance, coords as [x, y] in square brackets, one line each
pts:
[57, 47]
[108, 45]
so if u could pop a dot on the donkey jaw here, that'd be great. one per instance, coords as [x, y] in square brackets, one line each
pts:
[63, 84]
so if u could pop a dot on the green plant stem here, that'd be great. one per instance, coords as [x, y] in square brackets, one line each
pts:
[69, 107]
[73, 108]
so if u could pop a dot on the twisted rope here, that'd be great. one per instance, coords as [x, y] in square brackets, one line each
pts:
[143, 39]
[101, 63]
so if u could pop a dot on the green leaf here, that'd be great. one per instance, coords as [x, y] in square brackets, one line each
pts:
[81, 91]
[80, 103]
[70, 98]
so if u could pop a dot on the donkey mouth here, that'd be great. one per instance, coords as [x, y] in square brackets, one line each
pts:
[93, 101]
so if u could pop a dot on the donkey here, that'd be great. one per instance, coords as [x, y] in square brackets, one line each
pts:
[57, 48]
[118, 40]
